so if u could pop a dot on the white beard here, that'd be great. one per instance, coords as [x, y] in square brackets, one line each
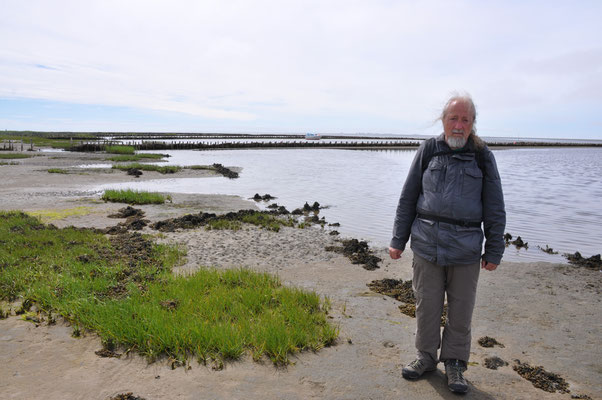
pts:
[455, 142]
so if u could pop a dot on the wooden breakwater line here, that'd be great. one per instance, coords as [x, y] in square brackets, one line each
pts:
[152, 145]
[14, 145]
[183, 145]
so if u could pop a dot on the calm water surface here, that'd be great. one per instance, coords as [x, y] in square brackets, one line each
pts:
[552, 195]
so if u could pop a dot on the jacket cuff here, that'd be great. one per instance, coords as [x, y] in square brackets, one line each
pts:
[396, 244]
[492, 259]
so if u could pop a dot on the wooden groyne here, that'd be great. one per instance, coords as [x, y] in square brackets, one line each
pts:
[302, 144]
[151, 145]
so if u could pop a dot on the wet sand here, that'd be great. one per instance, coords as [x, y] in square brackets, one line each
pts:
[544, 314]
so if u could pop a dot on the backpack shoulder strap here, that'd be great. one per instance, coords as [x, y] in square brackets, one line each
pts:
[429, 153]
[480, 156]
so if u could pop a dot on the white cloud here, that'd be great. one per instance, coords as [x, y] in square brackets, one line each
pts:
[244, 61]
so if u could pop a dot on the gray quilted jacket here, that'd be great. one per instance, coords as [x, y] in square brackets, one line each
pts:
[454, 187]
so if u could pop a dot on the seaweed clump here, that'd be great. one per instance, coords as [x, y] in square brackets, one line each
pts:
[487, 341]
[128, 211]
[401, 291]
[106, 353]
[126, 396]
[266, 219]
[548, 250]
[265, 197]
[494, 362]
[227, 172]
[135, 172]
[396, 288]
[358, 252]
[134, 221]
[188, 221]
[592, 262]
[518, 242]
[540, 378]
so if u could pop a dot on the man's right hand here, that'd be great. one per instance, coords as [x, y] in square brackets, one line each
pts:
[395, 253]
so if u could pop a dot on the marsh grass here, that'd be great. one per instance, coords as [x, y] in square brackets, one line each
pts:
[120, 149]
[122, 289]
[267, 221]
[218, 224]
[130, 196]
[11, 156]
[137, 157]
[57, 171]
[168, 169]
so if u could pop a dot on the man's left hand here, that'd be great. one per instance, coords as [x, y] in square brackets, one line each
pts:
[488, 266]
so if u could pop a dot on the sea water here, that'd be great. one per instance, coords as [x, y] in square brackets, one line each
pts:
[552, 195]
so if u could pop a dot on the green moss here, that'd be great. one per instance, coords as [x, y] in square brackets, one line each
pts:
[53, 215]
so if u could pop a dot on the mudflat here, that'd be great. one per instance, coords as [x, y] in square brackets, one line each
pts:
[543, 314]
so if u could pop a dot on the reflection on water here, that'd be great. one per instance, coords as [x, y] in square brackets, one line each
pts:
[552, 195]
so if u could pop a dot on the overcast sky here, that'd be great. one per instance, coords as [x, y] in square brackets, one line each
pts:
[534, 68]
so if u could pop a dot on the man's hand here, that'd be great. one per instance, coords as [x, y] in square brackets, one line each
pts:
[395, 253]
[484, 264]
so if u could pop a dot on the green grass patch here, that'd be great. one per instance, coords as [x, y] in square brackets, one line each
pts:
[267, 221]
[120, 149]
[130, 196]
[8, 163]
[122, 288]
[137, 157]
[57, 171]
[13, 156]
[167, 169]
[220, 224]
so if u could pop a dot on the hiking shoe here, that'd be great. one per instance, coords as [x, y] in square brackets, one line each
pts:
[455, 380]
[416, 368]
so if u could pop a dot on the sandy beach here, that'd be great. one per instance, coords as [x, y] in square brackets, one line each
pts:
[544, 314]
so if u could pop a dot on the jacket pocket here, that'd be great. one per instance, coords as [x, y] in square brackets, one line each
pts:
[432, 179]
[424, 237]
[472, 183]
[466, 245]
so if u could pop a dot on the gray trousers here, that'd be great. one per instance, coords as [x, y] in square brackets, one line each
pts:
[430, 283]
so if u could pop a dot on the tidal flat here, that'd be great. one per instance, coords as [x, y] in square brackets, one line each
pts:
[545, 314]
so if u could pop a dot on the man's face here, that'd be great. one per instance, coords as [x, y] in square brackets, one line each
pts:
[457, 124]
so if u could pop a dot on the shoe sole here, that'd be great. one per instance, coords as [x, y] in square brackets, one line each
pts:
[456, 389]
[413, 375]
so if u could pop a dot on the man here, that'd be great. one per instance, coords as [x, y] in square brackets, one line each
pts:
[452, 187]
